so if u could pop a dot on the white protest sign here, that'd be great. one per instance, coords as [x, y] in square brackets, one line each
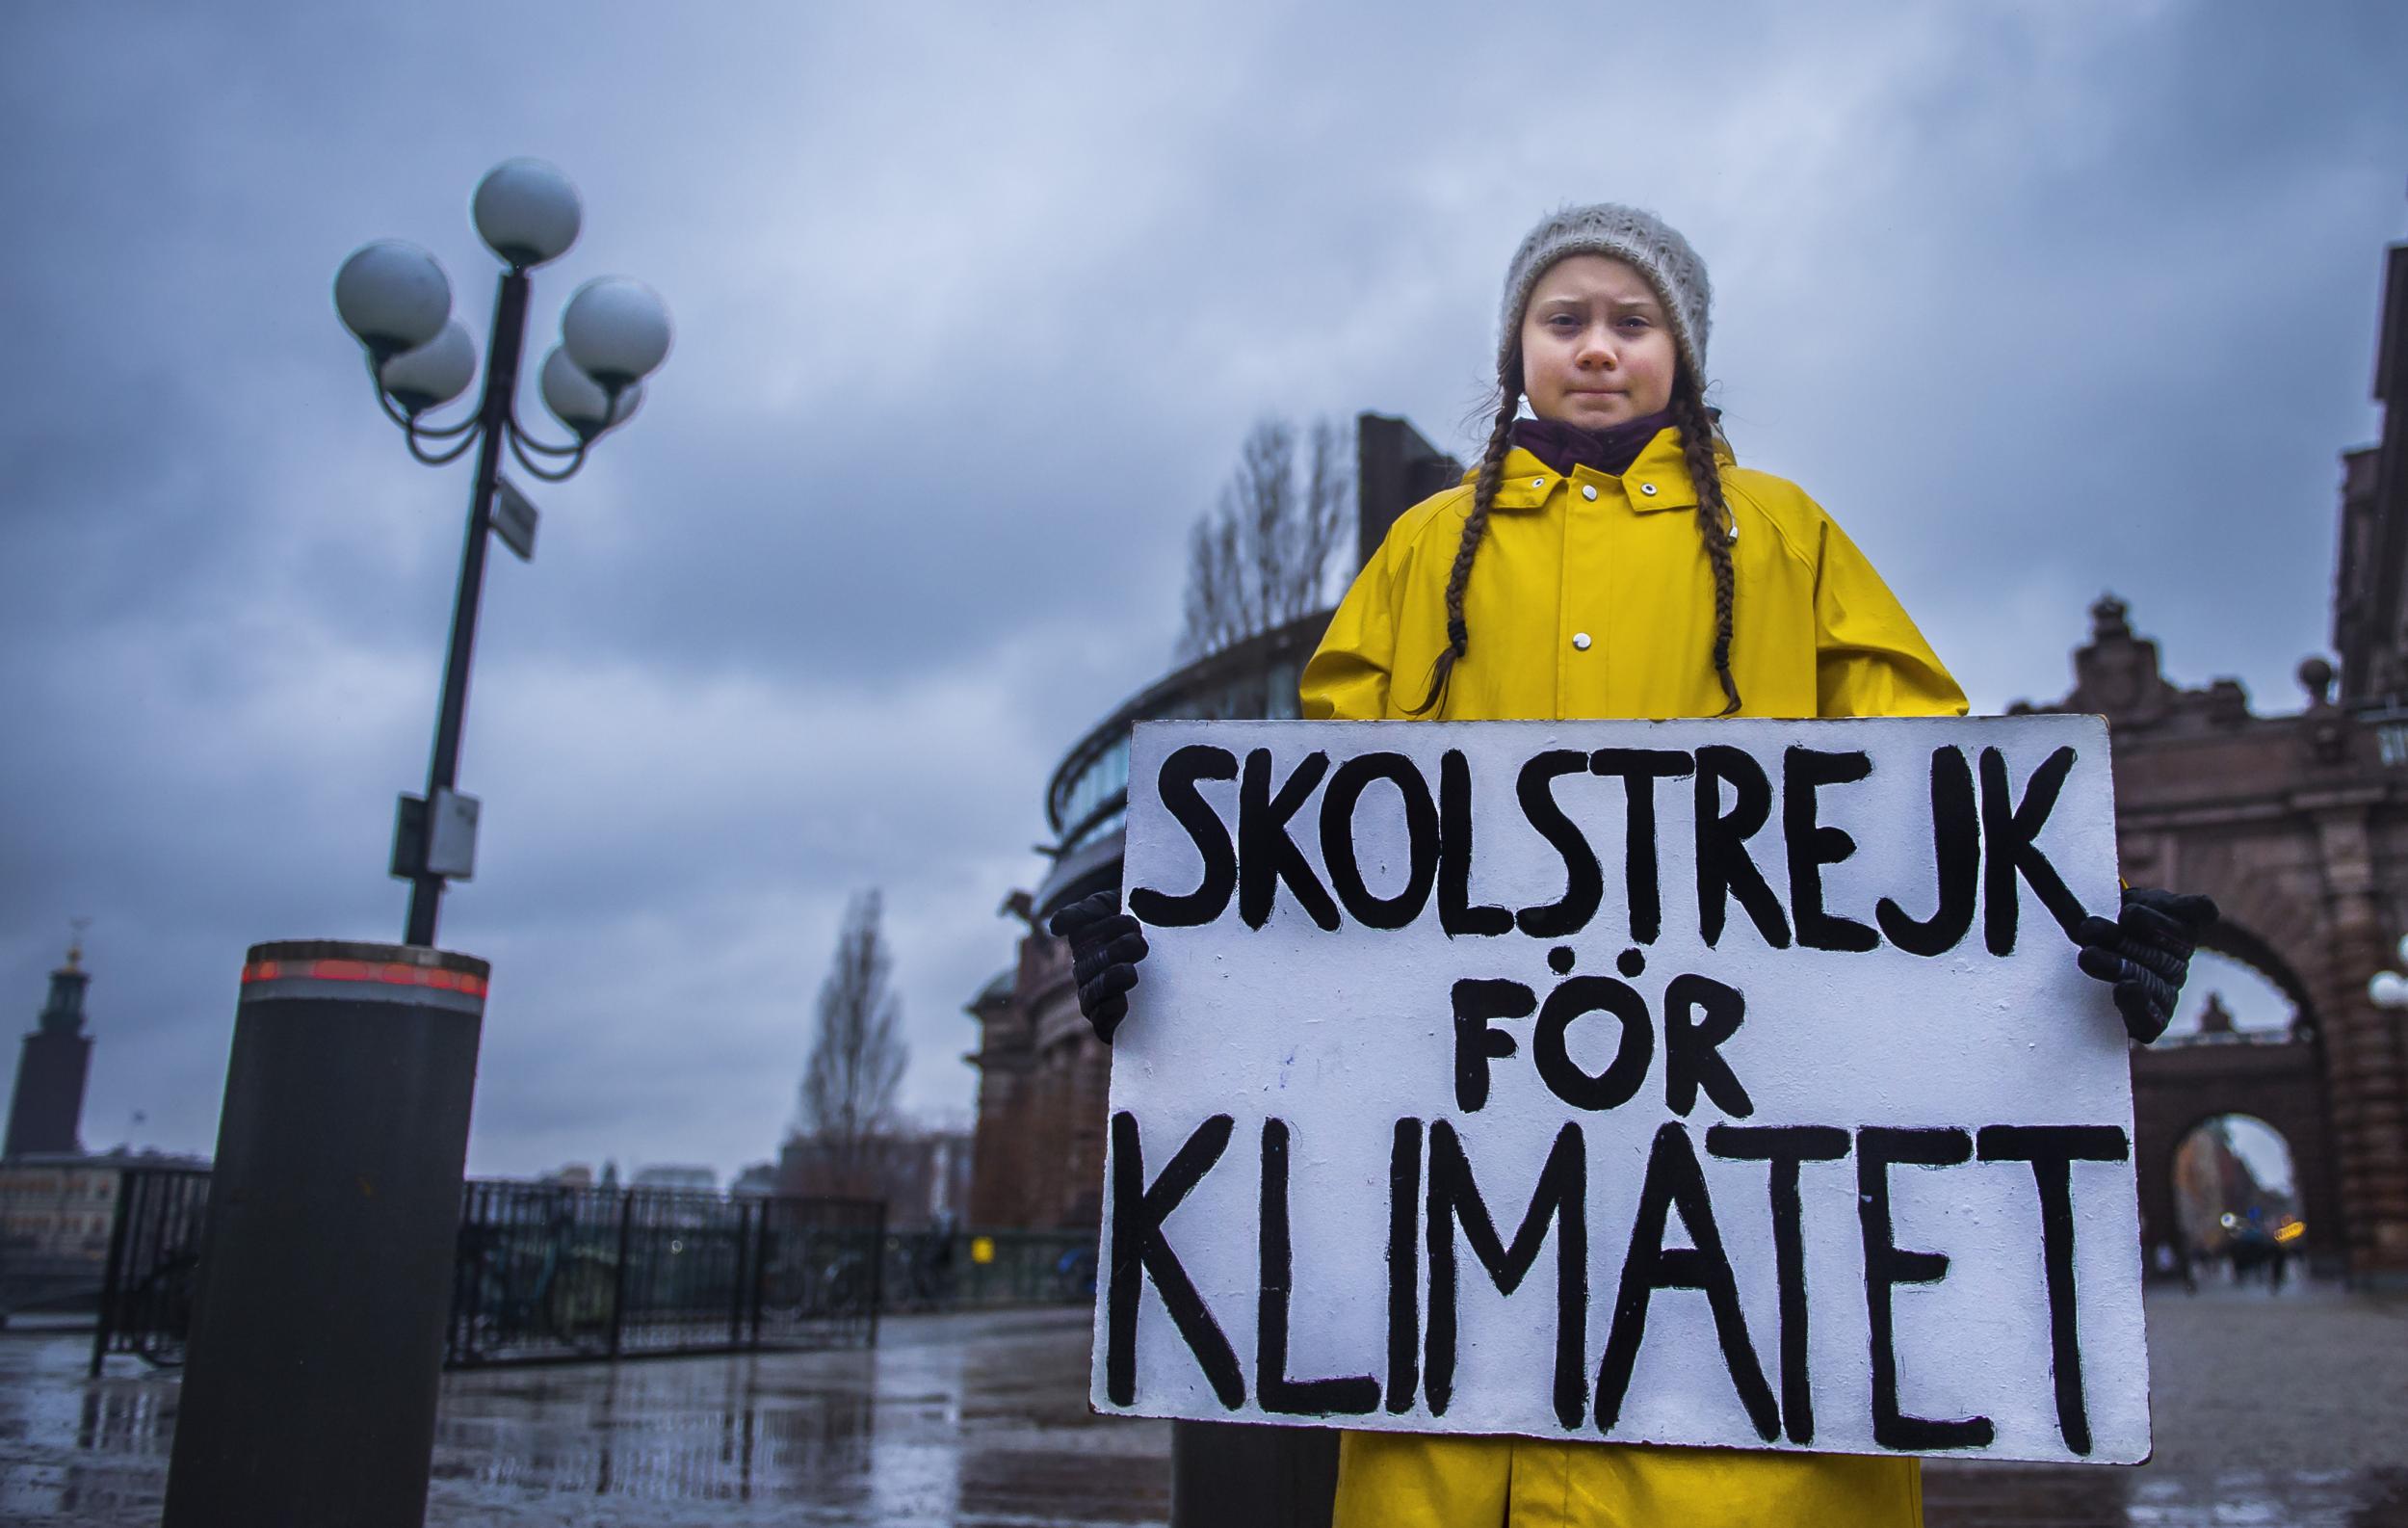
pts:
[1719, 1083]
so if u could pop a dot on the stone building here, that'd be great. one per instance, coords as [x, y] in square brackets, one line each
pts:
[57, 1208]
[46, 1108]
[1043, 1078]
[2298, 825]
[57, 1205]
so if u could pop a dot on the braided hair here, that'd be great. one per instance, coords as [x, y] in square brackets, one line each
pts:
[1475, 526]
[1717, 526]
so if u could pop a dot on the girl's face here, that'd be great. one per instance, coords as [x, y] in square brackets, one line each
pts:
[1597, 348]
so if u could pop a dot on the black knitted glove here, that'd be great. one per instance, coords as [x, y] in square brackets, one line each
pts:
[1106, 946]
[2145, 952]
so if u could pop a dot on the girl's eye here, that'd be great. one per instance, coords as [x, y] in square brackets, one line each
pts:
[1634, 321]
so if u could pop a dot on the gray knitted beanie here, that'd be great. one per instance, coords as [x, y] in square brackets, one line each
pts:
[1644, 241]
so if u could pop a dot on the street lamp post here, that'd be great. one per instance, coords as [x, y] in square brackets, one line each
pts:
[314, 1354]
[396, 300]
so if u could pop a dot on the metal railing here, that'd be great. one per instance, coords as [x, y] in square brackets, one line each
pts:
[553, 1273]
[550, 1273]
[536, 1275]
[154, 1249]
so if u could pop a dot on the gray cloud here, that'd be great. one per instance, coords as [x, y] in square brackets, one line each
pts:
[972, 312]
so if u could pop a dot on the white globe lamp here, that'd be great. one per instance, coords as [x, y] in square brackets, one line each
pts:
[577, 400]
[616, 330]
[526, 211]
[435, 373]
[392, 296]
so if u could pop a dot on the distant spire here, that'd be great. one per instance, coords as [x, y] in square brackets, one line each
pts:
[63, 1013]
[47, 1104]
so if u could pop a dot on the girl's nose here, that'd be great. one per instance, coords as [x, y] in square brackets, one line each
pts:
[1597, 349]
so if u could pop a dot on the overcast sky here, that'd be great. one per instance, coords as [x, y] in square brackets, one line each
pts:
[973, 307]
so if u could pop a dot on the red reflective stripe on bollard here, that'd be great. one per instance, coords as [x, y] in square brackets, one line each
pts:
[388, 974]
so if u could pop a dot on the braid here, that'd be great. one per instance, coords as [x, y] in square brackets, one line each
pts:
[1475, 526]
[1715, 522]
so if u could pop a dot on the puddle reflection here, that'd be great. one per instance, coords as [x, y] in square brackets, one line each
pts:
[929, 1429]
[670, 1431]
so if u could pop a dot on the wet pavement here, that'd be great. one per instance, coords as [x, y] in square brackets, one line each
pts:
[2288, 1412]
[2276, 1411]
[979, 1421]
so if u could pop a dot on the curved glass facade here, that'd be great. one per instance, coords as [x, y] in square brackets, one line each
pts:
[1087, 802]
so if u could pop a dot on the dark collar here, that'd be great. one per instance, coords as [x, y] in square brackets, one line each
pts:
[1611, 450]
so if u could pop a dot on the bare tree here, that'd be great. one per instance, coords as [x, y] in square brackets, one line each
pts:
[857, 1054]
[1260, 558]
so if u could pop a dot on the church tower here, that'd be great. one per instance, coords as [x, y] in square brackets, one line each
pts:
[48, 1104]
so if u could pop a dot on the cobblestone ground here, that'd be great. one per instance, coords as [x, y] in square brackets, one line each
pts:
[2278, 1413]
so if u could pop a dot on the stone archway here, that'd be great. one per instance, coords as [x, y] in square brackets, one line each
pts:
[2298, 825]
[2276, 1076]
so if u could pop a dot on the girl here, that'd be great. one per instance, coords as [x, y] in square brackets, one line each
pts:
[1609, 558]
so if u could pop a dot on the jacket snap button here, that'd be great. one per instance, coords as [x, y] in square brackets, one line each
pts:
[1588, 491]
[1579, 641]
[1647, 489]
[1539, 482]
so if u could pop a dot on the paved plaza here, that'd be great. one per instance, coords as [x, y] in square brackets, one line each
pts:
[2275, 1412]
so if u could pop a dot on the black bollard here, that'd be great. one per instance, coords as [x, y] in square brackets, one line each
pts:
[324, 1281]
[1249, 1475]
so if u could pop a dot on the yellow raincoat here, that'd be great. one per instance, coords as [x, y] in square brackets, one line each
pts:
[1591, 597]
